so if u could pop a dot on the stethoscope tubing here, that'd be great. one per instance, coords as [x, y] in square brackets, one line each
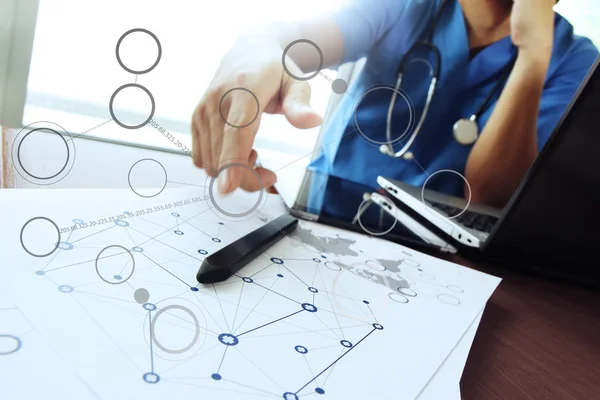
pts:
[388, 148]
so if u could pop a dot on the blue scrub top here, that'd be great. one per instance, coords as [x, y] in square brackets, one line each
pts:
[383, 31]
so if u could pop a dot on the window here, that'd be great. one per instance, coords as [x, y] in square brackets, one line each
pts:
[583, 15]
[74, 69]
[75, 72]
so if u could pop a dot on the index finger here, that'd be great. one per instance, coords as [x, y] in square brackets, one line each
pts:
[241, 125]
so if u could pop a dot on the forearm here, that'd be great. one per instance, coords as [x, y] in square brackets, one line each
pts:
[507, 146]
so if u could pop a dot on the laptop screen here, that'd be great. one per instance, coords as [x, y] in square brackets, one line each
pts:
[552, 221]
[345, 204]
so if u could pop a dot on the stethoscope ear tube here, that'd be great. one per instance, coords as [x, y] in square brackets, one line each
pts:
[387, 148]
[436, 55]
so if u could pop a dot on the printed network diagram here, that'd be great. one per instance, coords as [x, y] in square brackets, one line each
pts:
[287, 316]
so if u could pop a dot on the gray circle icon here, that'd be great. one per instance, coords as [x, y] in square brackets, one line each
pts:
[245, 213]
[339, 86]
[40, 177]
[15, 348]
[141, 296]
[56, 243]
[47, 127]
[119, 54]
[112, 112]
[225, 118]
[98, 257]
[196, 333]
[129, 178]
[321, 60]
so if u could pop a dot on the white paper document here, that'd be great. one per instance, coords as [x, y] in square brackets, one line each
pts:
[29, 366]
[324, 312]
[445, 384]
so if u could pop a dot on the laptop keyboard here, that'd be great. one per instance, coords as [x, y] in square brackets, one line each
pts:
[468, 219]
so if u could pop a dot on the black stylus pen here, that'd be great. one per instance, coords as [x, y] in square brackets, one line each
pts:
[231, 258]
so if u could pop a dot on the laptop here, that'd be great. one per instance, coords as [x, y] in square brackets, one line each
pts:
[355, 207]
[552, 223]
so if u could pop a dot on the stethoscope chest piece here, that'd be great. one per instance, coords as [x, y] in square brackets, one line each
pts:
[466, 131]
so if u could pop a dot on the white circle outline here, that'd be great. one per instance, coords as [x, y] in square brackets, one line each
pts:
[398, 294]
[438, 296]
[400, 290]
[378, 266]
[360, 210]
[404, 261]
[455, 172]
[453, 290]
[408, 126]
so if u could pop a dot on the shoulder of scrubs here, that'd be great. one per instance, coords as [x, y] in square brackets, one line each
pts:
[364, 22]
[572, 58]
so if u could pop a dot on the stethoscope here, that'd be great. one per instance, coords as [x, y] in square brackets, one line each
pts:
[465, 130]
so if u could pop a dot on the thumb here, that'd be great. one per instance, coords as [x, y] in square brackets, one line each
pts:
[295, 103]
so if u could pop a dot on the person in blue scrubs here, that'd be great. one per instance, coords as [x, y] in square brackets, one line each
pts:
[523, 46]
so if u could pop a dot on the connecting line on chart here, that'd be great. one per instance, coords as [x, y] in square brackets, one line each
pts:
[296, 276]
[125, 266]
[373, 315]
[221, 307]
[198, 229]
[315, 151]
[165, 244]
[130, 237]
[207, 311]
[237, 306]
[85, 262]
[330, 372]
[317, 331]
[261, 270]
[309, 368]
[423, 169]
[253, 308]
[186, 184]
[95, 295]
[250, 387]
[89, 130]
[259, 369]
[358, 307]
[93, 234]
[334, 362]
[167, 271]
[272, 322]
[331, 304]
[52, 259]
[168, 230]
[151, 340]
[123, 352]
[222, 359]
[272, 291]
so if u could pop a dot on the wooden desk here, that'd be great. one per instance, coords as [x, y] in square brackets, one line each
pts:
[537, 339]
